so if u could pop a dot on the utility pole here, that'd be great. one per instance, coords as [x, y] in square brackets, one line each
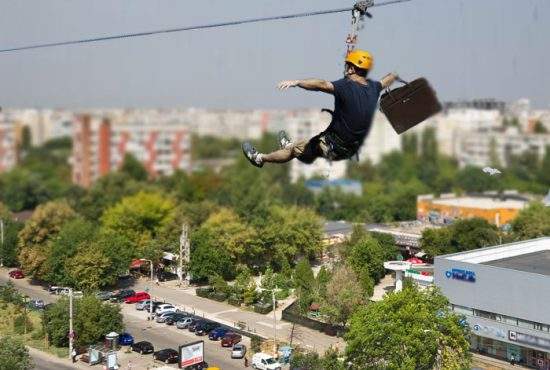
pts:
[2, 241]
[184, 252]
[274, 318]
[150, 289]
[71, 333]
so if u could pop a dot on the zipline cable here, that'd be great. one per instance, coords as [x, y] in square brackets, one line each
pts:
[190, 28]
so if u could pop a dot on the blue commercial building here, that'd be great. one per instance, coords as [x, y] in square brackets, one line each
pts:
[504, 293]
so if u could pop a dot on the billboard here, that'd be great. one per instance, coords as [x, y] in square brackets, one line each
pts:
[191, 354]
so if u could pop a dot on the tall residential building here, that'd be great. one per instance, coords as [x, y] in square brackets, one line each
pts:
[8, 145]
[484, 148]
[99, 146]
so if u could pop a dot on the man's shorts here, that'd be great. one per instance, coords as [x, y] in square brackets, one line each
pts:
[309, 151]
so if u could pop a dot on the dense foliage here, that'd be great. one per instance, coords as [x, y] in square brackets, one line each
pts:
[411, 329]
[13, 354]
[92, 319]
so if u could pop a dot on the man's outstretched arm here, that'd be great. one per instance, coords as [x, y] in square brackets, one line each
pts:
[309, 84]
[389, 79]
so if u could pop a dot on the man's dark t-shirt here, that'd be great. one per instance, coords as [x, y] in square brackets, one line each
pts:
[354, 106]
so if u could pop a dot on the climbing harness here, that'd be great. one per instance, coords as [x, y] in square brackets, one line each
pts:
[359, 10]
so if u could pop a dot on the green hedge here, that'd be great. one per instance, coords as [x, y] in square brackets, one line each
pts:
[234, 300]
[204, 292]
[218, 296]
[263, 308]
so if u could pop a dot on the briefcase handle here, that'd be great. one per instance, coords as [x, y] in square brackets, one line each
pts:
[388, 91]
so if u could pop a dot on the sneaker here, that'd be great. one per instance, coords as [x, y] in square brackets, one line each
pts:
[284, 140]
[252, 154]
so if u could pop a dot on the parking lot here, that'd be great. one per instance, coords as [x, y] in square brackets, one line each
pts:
[168, 336]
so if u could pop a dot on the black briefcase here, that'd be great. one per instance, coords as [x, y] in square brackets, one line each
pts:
[408, 105]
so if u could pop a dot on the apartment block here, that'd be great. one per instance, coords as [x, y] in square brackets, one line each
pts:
[100, 146]
[8, 145]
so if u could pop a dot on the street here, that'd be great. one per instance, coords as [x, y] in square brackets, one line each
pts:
[161, 335]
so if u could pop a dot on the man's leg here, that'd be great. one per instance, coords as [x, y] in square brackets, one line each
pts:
[283, 155]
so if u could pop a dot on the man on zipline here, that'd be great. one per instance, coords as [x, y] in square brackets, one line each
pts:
[355, 100]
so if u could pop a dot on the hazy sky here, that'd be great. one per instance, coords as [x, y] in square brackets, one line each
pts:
[466, 48]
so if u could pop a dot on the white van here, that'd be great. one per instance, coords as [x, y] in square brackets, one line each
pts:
[263, 361]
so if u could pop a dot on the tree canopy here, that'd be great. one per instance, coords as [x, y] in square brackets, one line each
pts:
[411, 329]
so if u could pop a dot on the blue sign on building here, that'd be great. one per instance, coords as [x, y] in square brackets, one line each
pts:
[460, 274]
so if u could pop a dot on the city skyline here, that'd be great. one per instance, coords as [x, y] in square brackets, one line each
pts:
[466, 58]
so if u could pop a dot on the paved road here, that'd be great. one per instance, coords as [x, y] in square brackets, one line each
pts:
[43, 361]
[230, 315]
[161, 335]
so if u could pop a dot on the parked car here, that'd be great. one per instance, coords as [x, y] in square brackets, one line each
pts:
[162, 317]
[120, 295]
[165, 307]
[143, 347]
[230, 339]
[138, 296]
[183, 324]
[54, 289]
[103, 295]
[125, 339]
[167, 355]
[16, 274]
[206, 328]
[218, 333]
[37, 304]
[263, 361]
[202, 366]
[238, 351]
[144, 305]
[166, 276]
[191, 327]
[172, 319]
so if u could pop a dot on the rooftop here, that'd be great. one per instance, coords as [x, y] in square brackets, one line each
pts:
[481, 202]
[530, 256]
[537, 262]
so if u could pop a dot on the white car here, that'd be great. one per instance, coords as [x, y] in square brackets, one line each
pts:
[184, 323]
[263, 361]
[238, 351]
[164, 308]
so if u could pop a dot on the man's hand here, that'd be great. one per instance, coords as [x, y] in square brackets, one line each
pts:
[389, 79]
[283, 85]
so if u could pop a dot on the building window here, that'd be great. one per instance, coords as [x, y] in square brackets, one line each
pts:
[510, 320]
[525, 324]
[461, 310]
[485, 314]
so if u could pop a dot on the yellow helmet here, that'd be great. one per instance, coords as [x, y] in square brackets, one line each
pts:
[360, 58]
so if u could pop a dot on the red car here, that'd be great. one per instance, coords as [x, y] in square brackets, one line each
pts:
[17, 274]
[230, 339]
[138, 296]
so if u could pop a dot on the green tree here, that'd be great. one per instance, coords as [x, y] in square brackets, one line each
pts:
[532, 222]
[366, 257]
[92, 320]
[494, 158]
[9, 248]
[133, 168]
[105, 193]
[473, 180]
[89, 269]
[290, 232]
[304, 281]
[305, 361]
[322, 280]
[73, 234]
[544, 173]
[13, 354]
[332, 361]
[539, 128]
[227, 231]
[26, 138]
[344, 295]
[208, 260]
[435, 242]
[36, 237]
[377, 338]
[22, 189]
[140, 217]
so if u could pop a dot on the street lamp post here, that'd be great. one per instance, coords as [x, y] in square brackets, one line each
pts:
[150, 289]
[71, 333]
[2, 241]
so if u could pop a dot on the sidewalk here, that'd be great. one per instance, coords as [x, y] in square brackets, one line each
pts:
[489, 363]
[262, 325]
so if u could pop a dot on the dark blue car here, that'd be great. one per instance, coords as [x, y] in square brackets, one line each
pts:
[218, 333]
[125, 339]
